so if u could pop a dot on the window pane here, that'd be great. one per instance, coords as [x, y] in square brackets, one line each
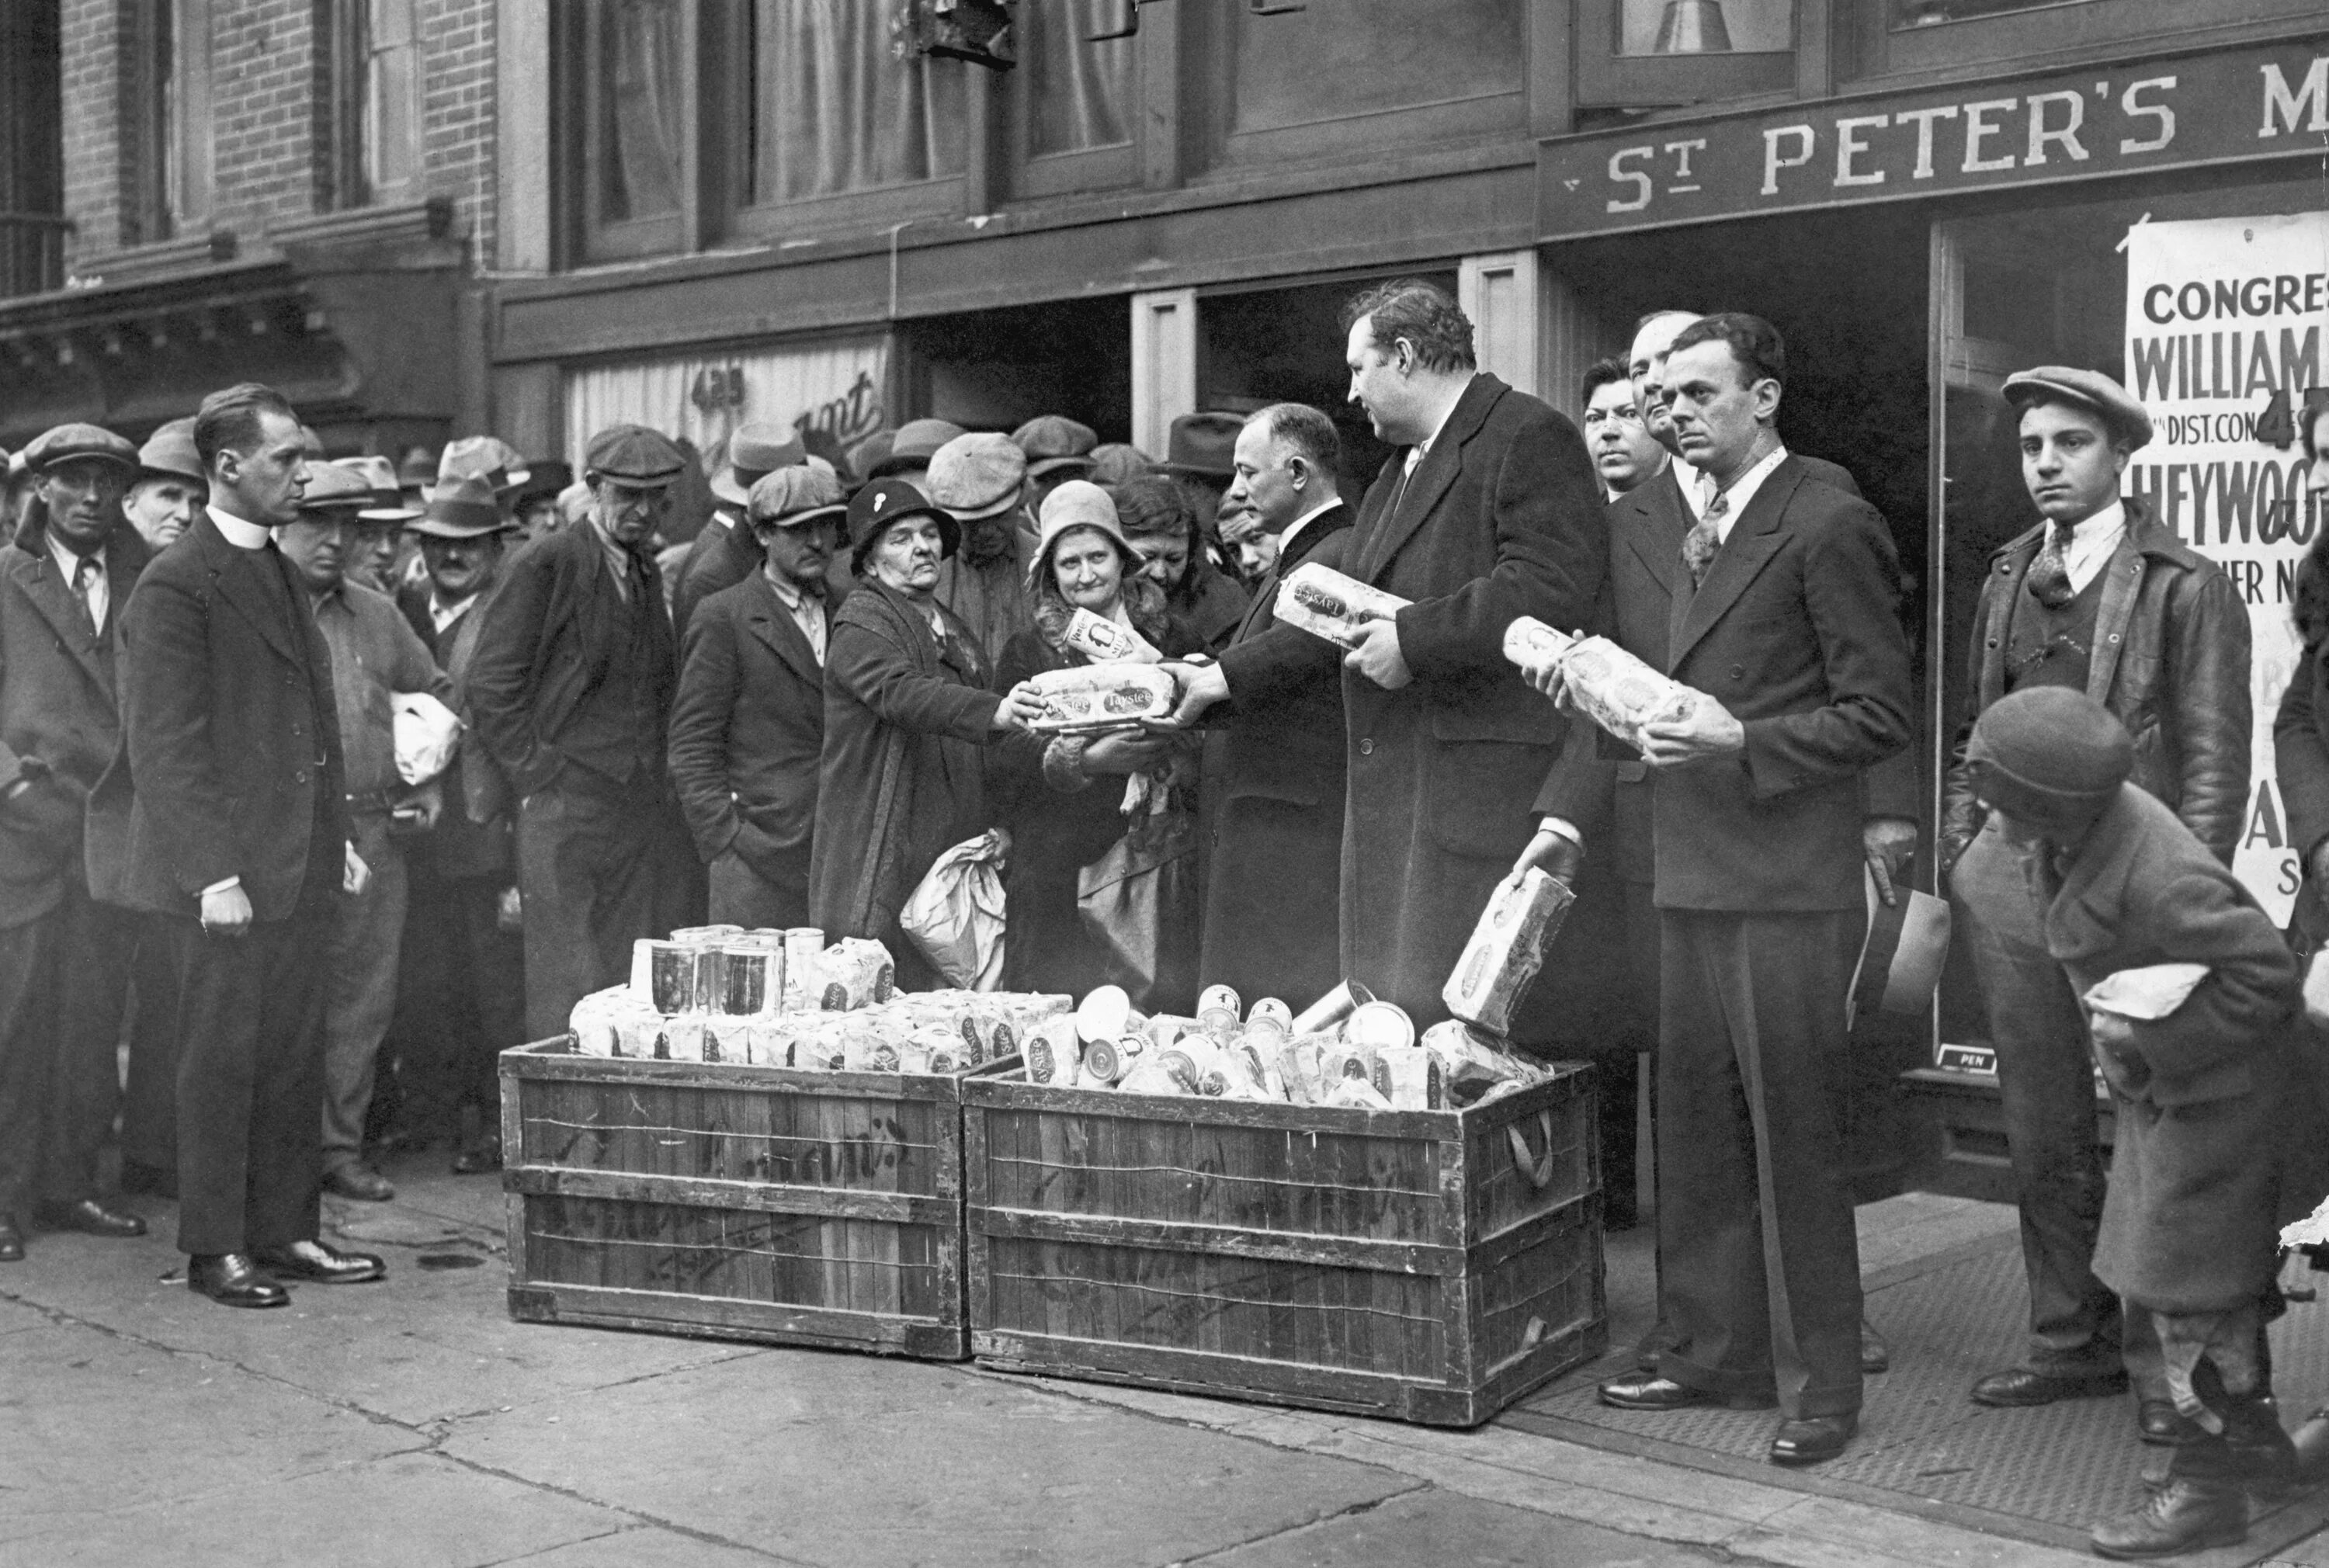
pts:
[1706, 27]
[392, 152]
[1079, 93]
[1926, 12]
[1363, 56]
[839, 112]
[639, 88]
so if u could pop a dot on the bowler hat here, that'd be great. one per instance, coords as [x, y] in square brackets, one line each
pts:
[1078, 504]
[916, 443]
[975, 476]
[67, 443]
[488, 456]
[634, 456]
[2048, 755]
[1902, 956]
[1053, 441]
[169, 453]
[1201, 446]
[2089, 390]
[462, 507]
[887, 501]
[796, 496]
[753, 450]
[334, 489]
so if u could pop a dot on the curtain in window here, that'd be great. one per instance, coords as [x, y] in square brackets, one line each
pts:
[640, 61]
[1080, 94]
[840, 112]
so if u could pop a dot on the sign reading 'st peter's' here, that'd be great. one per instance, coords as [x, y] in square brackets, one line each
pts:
[2238, 106]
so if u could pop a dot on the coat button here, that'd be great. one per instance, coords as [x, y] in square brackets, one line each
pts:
[1366, 749]
[1739, 672]
[300, 776]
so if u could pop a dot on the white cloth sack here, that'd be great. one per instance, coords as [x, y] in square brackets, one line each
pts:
[426, 732]
[955, 916]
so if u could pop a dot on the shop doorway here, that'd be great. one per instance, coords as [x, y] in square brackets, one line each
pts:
[995, 370]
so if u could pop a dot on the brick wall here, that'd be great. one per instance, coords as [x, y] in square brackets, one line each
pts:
[89, 51]
[457, 112]
[264, 73]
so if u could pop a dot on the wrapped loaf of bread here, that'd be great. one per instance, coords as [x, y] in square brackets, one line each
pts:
[1326, 604]
[1098, 697]
[1608, 685]
[1107, 641]
[1495, 971]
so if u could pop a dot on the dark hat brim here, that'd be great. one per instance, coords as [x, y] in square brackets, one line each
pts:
[838, 512]
[1042, 466]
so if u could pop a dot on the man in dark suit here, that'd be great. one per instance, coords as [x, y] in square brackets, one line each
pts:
[725, 553]
[1491, 514]
[223, 812]
[1275, 774]
[571, 691]
[748, 726]
[63, 957]
[1780, 607]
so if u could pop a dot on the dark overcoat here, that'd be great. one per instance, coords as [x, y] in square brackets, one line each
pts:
[723, 555]
[473, 837]
[1271, 802]
[230, 761]
[748, 733]
[1502, 519]
[2190, 1222]
[59, 714]
[900, 780]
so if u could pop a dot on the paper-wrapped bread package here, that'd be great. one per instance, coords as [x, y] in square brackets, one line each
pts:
[1097, 697]
[1608, 685]
[1107, 641]
[1498, 964]
[1326, 604]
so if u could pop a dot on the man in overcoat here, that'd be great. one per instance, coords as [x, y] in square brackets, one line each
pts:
[748, 726]
[1781, 609]
[2203, 1083]
[571, 691]
[726, 552]
[1272, 802]
[1491, 512]
[223, 812]
[2098, 598]
[63, 956]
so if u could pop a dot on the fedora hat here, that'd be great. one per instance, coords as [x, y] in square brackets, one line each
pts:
[1203, 446]
[887, 501]
[1902, 956]
[462, 508]
[754, 450]
[169, 453]
[916, 443]
[388, 503]
[488, 456]
[334, 489]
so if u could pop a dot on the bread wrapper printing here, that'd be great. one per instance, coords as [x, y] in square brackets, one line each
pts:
[1327, 604]
[1106, 642]
[853, 973]
[1501, 960]
[1092, 698]
[1608, 685]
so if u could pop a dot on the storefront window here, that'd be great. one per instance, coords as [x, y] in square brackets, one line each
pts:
[1706, 27]
[836, 112]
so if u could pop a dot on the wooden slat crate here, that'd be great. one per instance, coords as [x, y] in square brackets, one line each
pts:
[1428, 1265]
[743, 1203]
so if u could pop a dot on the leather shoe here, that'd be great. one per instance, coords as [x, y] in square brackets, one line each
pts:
[2019, 1387]
[90, 1215]
[313, 1261]
[1651, 1392]
[1875, 1350]
[360, 1182]
[11, 1241]
[2186, 1515]
[1812, 1439]
[2157, 1422]
[232, 1279]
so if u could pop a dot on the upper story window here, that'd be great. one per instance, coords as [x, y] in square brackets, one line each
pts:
[834, 111]
[376, 99]
[1643, 52]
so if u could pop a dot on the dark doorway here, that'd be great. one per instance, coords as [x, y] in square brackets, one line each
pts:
[995, 370]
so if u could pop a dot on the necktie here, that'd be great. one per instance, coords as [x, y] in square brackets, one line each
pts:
[85, 576]
[2050, 575]
[1705, 539]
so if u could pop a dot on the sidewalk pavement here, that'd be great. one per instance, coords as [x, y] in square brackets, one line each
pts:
[411, 1424]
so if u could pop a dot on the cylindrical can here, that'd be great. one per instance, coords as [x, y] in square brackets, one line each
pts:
[642, 968]
[1272, 1009]
[711, 978]
[1225, 996]
[670, 976]
[802, 944]
[1331, 1008]
[1108, 1061]
[1379, 1024]
[1103, 1015]
[698, 935]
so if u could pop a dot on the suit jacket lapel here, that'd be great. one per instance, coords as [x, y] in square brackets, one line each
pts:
[1432, 477]
[1655, 526]
[46, 586]
[237, 588]
[774, 624]
[1754, 540]
[1259, 614]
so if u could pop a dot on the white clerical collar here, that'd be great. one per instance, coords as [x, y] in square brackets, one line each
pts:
[241, 534]
[1287, 537]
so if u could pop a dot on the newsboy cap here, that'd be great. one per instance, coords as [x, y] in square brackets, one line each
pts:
[1054, 441]
[2089, 390]
[756, 449]
[169, 453]
[462, 507]
[2048, 755]
[67, 443]
[887, 501]
[795, 497]
[634, 454]
[976, 475]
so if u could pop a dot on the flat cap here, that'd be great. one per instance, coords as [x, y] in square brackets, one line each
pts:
[1054, 441]
[499, 462]
[1119, 463]
[915, 444]
[756, 449]
[65, 442]
[976, 475]
[886, 502]
[2049, 753]
[2089, 390]
[169, 453]
[332, 488]
[634, 454]
[795, 496]
[462, 507]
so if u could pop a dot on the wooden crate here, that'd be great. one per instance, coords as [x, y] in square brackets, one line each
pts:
[1428, 1265]
[743, 1203]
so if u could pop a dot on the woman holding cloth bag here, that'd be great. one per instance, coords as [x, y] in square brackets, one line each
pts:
[1063, 797]
[907, 709]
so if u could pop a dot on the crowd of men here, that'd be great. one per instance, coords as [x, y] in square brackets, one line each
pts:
[287, 752]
